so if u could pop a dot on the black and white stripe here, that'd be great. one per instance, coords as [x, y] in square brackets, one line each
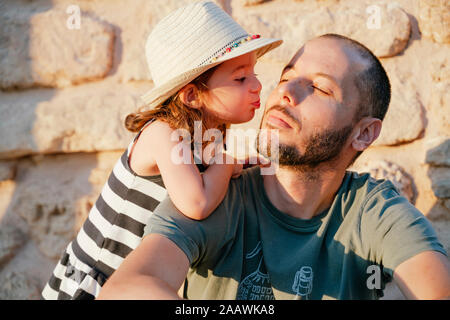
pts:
[114, 228]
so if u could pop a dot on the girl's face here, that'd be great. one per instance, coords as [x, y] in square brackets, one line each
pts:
[233, 91]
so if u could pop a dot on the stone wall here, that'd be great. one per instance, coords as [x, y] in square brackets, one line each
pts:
[67, 83]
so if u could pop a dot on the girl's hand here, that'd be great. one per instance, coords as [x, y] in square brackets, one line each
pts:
[249, 162]
[257, 160]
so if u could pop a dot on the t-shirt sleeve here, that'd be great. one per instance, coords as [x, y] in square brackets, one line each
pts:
[166, 220]
[393, 230]
[198, 239]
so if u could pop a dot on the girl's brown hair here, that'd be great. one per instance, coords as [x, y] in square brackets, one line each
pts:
[173, 111]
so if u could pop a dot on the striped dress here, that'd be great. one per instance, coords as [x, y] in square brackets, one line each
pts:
[113, 228]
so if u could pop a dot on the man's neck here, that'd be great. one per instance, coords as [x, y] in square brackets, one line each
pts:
[303, 194]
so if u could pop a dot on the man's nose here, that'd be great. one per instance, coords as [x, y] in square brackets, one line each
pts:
[290, 92]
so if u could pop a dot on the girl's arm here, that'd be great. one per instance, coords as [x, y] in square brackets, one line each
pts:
[195, 195]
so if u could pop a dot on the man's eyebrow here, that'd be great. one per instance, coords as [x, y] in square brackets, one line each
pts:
[287, 68]
[320, 74]
[327, 76]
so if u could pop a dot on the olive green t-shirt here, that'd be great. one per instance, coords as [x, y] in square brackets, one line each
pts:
[248, 249]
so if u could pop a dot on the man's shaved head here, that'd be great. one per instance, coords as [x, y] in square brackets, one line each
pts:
[372, 81]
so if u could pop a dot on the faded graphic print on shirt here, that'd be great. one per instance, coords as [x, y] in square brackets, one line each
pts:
[303, 283]
[256, 285]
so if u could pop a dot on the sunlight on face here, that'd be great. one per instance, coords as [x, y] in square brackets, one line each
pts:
[234, 89]
[314, 103]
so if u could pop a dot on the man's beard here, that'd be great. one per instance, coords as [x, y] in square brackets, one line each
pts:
[320, 148]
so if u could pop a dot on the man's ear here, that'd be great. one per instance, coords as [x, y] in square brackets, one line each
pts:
[367, 131]
[189, 95]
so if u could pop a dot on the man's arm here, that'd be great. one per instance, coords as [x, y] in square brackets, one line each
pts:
[156, 269]
[424, 276]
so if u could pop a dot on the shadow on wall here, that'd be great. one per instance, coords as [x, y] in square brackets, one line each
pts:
[415, 32]
[17, 110]
[439, 174]
[16, 72]
[52, 192]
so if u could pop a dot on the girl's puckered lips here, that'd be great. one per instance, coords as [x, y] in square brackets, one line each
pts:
[257, 104]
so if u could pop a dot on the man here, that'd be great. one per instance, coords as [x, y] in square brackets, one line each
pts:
[312, 230]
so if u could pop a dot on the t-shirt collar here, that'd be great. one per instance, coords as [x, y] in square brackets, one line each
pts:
[292, 223]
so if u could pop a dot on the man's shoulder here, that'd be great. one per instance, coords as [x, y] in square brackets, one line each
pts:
[377, 199]
[360, 193]
[389, 228]
[365, 187]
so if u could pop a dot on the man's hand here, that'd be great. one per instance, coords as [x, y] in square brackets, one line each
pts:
[424, 276]
[154, 270]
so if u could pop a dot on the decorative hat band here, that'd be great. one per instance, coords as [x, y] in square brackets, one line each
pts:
[229, 47]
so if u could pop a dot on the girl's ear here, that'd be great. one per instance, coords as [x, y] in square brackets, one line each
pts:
[190, 96]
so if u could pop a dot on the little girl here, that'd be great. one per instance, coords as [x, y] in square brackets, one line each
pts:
[202, 64]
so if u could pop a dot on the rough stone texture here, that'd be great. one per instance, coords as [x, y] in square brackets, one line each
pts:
[440, 70]
[55, 194]
[84, 118]
[7, 170]
[71, 56]
[252, 2]
[434, 19]
[439, 103]
[11, 239]
[130, 63]
[390, 171]
[30, 263]
[440, 109]
[440, 181]
[296, 25]
[17, 286]
[405, 119]
[438, 153]
[51, 195]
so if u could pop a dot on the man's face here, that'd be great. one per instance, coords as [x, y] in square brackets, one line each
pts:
[313, 105]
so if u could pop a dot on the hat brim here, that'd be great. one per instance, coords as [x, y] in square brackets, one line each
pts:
[161, 93]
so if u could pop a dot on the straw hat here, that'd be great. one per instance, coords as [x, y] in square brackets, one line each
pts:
[190, 41]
